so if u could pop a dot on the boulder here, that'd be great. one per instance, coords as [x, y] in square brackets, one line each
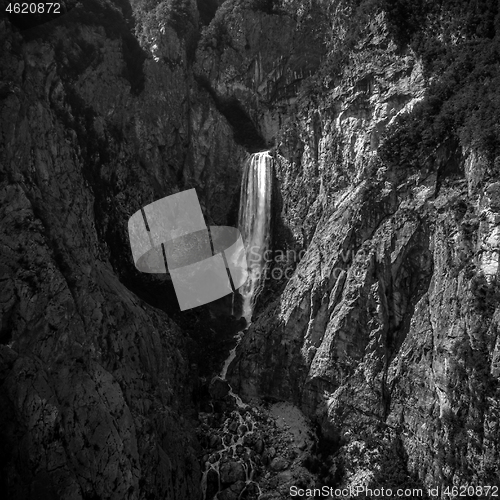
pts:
[233, 492]
[219, 388]
[230, 472]
[279, 464]
[259, 446]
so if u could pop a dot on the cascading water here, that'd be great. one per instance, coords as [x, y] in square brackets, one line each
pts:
[254, 224]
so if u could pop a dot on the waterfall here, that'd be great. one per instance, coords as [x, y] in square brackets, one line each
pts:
[254, 221]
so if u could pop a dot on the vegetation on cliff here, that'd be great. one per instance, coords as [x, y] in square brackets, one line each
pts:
[459, 43]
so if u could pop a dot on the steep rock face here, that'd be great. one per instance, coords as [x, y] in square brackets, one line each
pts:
[95, 383]
[386, 331]
[255, 56]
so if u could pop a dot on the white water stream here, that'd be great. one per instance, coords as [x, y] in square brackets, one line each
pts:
[254, 222]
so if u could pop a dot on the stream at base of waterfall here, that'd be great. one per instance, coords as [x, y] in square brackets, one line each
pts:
[255, 452]
[250, 452]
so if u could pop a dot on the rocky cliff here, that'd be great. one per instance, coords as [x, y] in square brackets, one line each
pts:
[96, 384]
[386, 333]
[381, 322]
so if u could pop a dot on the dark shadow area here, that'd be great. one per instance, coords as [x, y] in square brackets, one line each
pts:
[117, 23]
[320, 460]
[244, 130]
[134, 58]
[393, 472]
[6, 327]
[207, 10]
[11, 432]
[211, 327]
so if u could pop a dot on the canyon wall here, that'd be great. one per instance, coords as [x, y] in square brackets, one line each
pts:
[96, 384]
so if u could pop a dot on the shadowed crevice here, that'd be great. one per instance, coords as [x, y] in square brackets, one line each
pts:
[245, 132]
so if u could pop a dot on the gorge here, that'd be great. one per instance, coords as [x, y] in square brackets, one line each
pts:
[355, 143]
